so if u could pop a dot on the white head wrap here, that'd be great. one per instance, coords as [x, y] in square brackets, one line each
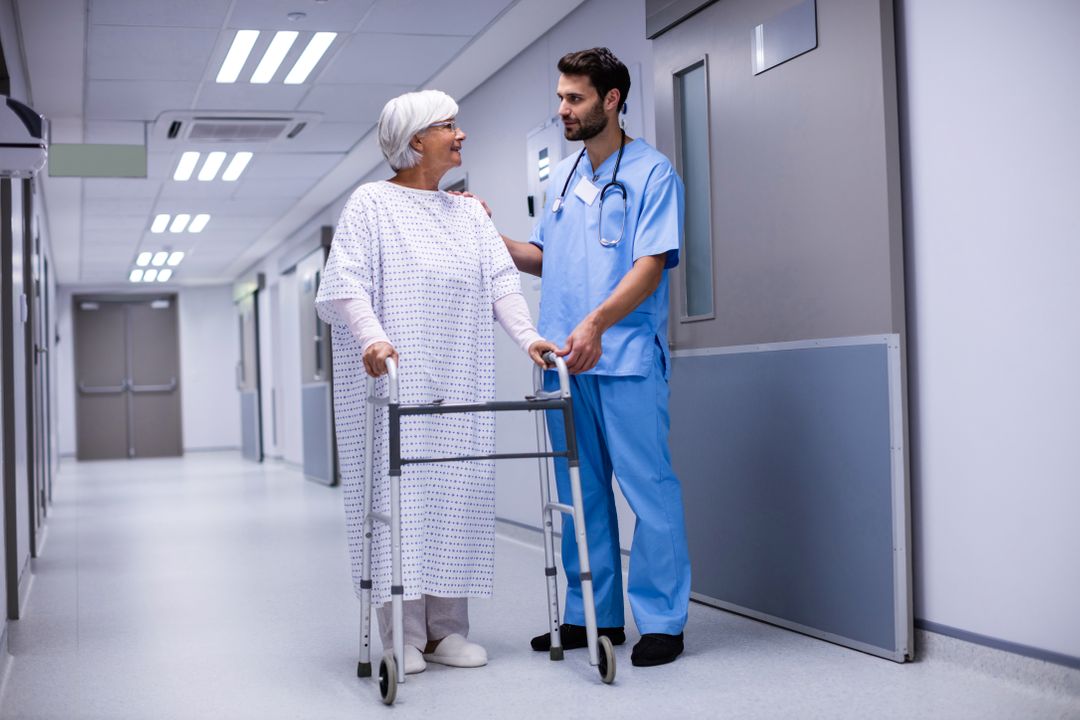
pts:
[405, 116]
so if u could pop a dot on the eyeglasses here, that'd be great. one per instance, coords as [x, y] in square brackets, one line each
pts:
[450, 125]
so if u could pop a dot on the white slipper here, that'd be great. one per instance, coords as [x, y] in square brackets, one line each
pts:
[456, 651]
[414, 660]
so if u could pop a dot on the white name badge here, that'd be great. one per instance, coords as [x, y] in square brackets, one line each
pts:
[586, 191]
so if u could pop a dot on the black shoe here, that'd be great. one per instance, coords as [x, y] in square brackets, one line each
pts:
[573, 637]
[656, 649]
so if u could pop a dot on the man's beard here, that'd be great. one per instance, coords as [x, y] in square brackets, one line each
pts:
[589, 126]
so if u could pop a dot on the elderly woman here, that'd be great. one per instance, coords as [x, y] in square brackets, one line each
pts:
[417, 274]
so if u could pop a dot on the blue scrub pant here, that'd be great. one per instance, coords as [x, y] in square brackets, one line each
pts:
[622, 425]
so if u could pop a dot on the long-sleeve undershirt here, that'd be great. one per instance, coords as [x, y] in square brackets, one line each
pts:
[510, 310]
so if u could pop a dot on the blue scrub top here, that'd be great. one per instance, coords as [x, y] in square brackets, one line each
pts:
[579, 273]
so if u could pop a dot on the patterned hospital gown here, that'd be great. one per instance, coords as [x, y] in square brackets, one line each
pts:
[433, 265]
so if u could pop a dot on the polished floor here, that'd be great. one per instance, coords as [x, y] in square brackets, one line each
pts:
[209, 587]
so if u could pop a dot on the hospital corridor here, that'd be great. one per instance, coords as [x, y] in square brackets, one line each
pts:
[539, 358]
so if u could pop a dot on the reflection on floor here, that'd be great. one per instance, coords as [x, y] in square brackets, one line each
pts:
[210, 587]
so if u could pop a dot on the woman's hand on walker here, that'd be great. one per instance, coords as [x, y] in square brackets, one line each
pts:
[375, 358]
[537, 350]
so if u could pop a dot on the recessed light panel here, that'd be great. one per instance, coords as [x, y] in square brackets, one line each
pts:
[211, 166]
[179, 223]
[275, 54]
[186, 166]
[314, 51]
[199, 223]
[237, 55]
[236, 166]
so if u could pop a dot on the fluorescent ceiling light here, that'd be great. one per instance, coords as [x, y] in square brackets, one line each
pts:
[279, 48]
[199, 223]
[164, 274]
[136, 275]
[237, 55]
[179, 223]
[175, 258]
[144, 259]
[239, 162]
[150, 275]
[160, 223]
[186, 166]
[211, 166]
[310, 57]
[159, 258]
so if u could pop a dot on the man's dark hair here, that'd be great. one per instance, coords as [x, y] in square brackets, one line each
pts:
[604, 70]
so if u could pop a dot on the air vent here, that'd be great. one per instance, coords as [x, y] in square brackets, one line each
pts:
[223, 128]
[214, 129]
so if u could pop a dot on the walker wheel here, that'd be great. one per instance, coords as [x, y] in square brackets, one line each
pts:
[606, 666]
[388, 679]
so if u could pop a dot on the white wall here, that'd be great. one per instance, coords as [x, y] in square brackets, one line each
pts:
[209, 351]
[993, 227]
[210, 405]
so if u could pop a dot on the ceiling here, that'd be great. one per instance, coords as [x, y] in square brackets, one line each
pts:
[118, 71]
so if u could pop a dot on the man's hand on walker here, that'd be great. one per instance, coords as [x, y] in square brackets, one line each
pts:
[375, 358]
[583, 348]
[537, 350]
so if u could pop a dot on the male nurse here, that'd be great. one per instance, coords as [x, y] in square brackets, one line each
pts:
[602, 249]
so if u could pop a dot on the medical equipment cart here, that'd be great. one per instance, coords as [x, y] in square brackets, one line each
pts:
[391, 666]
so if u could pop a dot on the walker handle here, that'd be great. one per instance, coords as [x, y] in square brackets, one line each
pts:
[560, 366]
[391, 376]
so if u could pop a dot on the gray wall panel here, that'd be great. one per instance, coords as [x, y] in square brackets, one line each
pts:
[786, 462]
[318, 433]
[249, 425]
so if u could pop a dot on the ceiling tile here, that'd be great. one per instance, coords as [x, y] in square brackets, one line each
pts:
[115, 132]
[94, 188]
[293, 188]
[431, 16]
[393, 59]
[339, 16]
[117, 206]
[330, 137]
[127, 53]
[136, 99]
[117, 224]
[245, 96]
[189, 13]
[351, 103]
[290, 165]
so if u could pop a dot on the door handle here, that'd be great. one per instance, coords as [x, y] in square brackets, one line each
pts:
[168, 387]
[102, 389]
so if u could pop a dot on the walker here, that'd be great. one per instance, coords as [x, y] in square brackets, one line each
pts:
[391, 665]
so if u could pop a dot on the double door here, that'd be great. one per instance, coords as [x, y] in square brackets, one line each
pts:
[127, 376]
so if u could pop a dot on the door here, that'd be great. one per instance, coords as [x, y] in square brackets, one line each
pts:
[247, 378]
[16, 465]
[154, 379]
[101, 421]
[35, 415]
[315, 376]
[127, 377]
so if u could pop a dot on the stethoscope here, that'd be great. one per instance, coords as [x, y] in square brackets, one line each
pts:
[615, 185]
